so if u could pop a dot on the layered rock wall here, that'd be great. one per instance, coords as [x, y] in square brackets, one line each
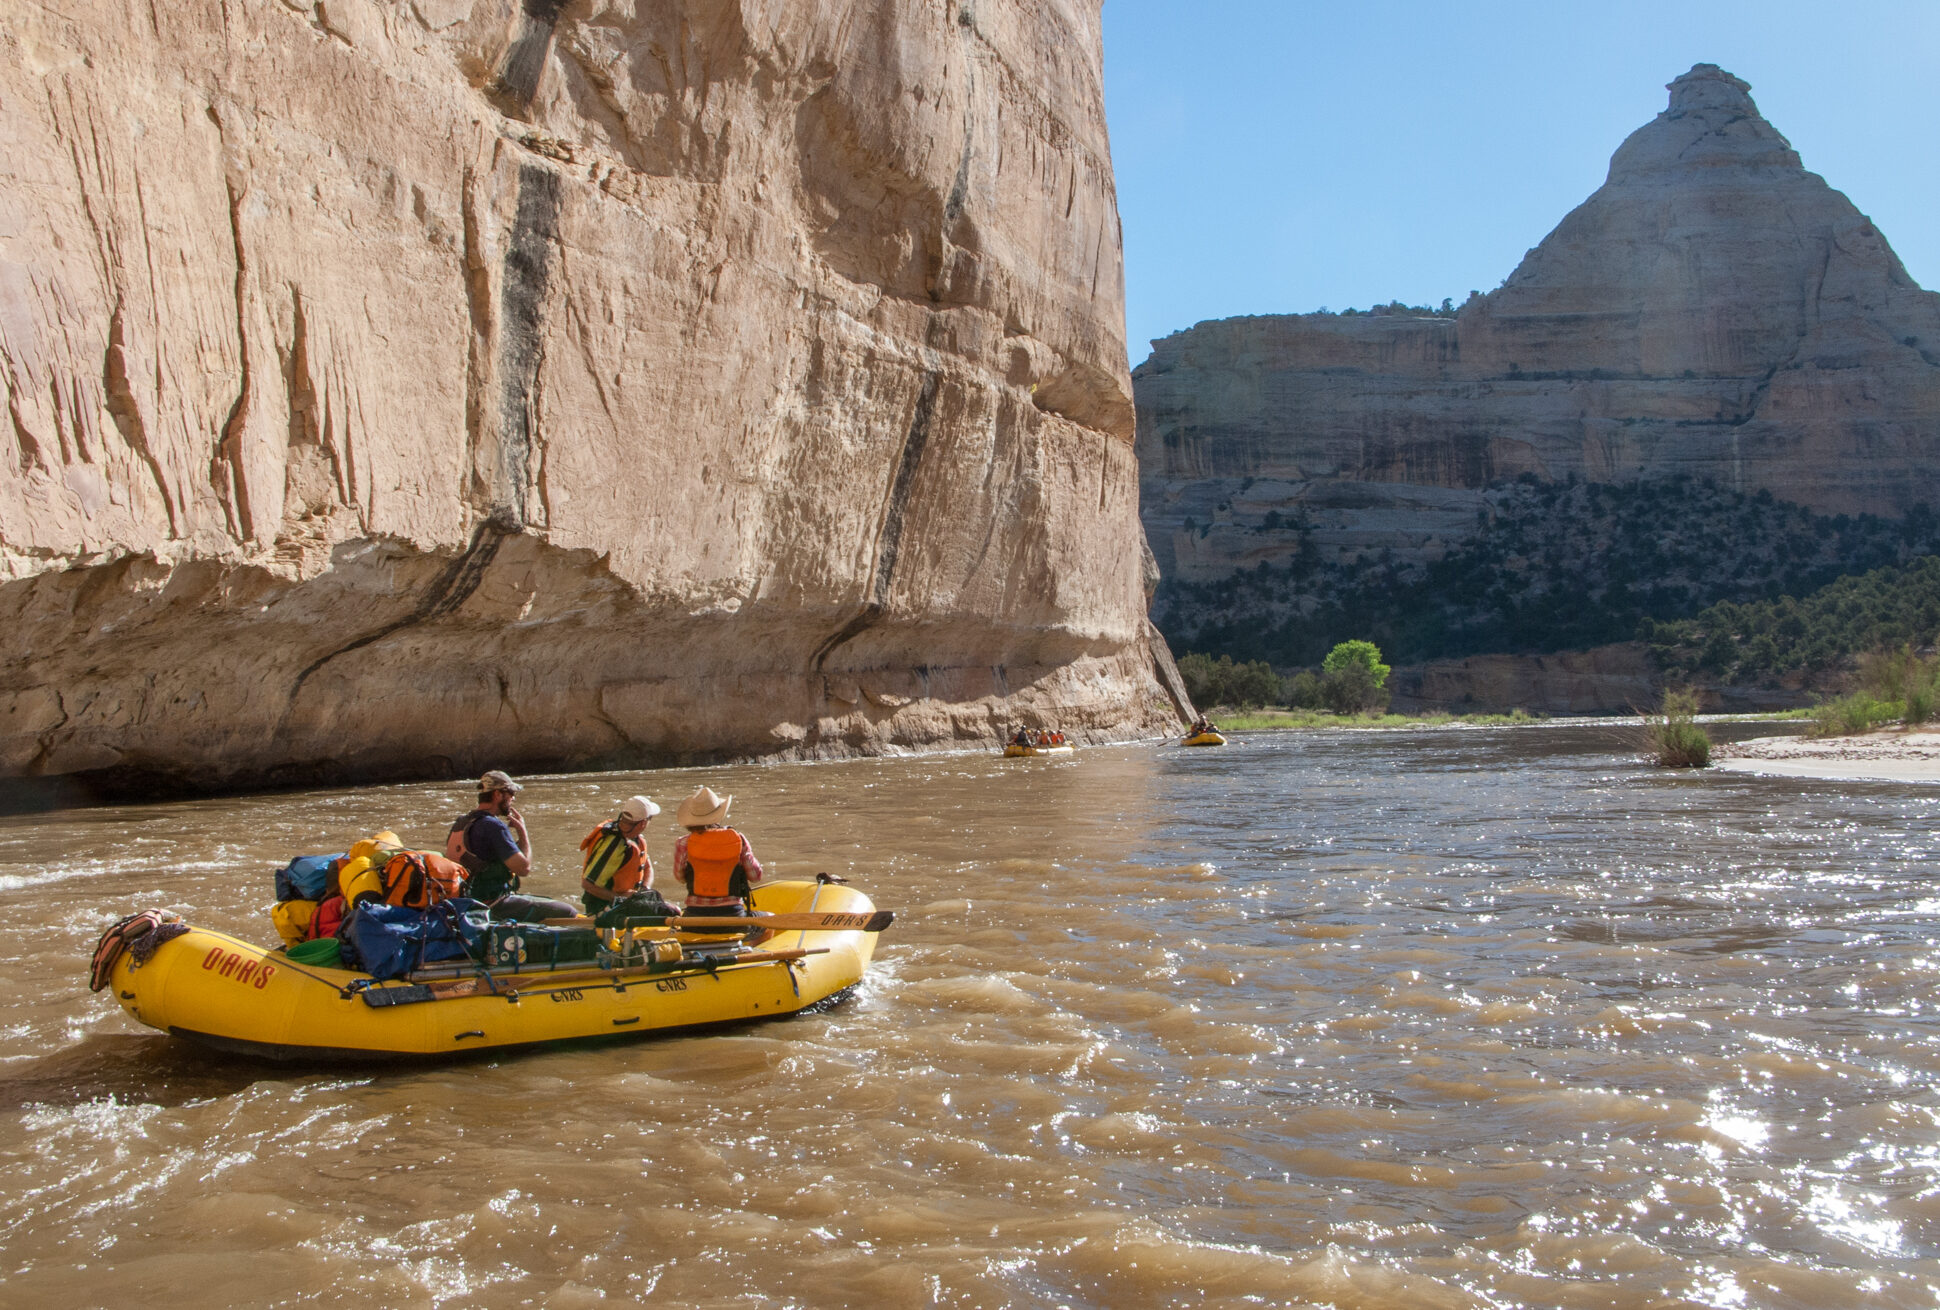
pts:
[398, 386]
[1713, 310]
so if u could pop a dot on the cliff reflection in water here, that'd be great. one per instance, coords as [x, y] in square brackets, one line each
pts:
[1383, 1019]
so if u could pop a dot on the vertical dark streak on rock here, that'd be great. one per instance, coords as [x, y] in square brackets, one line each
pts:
[522, 297]
[451, 589]
[28, 446]
[889, 538]
[236, 502]
[127, 414]
[478, 304]
[954, 203]
[516, 79]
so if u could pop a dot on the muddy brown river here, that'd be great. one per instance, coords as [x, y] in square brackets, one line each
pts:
[1459, 1017]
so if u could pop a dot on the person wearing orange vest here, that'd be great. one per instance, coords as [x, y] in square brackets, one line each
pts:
[714, 860]
[616, 865]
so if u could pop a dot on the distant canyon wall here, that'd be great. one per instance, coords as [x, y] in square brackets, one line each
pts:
[400, 387]
[1713, 311]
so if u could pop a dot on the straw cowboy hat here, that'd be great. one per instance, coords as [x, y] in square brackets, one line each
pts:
[703, 809]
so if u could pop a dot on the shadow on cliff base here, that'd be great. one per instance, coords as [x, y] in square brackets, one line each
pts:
[140, 784]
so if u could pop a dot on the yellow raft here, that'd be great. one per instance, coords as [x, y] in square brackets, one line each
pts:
[1015, 750]
[242, 998]
[1204, 739]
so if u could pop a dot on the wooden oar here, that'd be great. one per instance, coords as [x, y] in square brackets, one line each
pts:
[826, 921]
[687, 966]
[467, 968]
[500, 983]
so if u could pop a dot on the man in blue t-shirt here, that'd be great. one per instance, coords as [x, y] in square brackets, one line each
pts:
[492, 844]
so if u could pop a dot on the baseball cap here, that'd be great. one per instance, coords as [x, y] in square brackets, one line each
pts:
[638, 808]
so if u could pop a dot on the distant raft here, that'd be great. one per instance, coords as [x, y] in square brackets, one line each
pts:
[1204, 739]
[244, 999]
[1015, 750]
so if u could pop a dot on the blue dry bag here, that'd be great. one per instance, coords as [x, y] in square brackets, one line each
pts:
[305, 878]
[389, 941]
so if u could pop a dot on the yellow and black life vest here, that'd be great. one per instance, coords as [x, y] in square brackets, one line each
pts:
[613, 861]
[714, 855]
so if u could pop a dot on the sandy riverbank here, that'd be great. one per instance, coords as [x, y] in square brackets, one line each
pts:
[1888, 756]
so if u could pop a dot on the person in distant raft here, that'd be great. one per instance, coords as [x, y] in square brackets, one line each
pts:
[492, 844]
[714, 860]
[617, 875]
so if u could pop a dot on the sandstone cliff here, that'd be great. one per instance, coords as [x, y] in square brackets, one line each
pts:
[401, 386]
[1712, 311]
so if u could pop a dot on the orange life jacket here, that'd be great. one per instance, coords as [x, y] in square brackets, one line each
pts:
[713, 854]
[619, 865]
[418, 880]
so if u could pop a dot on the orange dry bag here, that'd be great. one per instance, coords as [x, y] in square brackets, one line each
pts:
[418, 880]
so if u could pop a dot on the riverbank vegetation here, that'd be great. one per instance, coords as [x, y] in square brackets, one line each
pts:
[1672, 736]
[1896, 685]
[1351, 680]
[1553, 566]
[1886, 609]
[1269, 719]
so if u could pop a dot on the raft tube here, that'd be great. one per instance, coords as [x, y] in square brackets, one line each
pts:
[1014, 750]
[1204, 739]
[237, 997]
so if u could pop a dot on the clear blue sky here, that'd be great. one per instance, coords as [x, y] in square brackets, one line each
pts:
[1277, 156]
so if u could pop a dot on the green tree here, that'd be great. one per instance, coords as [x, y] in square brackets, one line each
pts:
[1353, 678]
[1363, 655]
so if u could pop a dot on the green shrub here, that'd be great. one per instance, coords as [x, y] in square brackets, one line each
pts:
[1888, 674]
[1221, 682]
[1304, 691]
[1854, 713]
[1672, 735]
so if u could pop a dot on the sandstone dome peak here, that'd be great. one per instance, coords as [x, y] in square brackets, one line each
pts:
[1711, 123]
[1707, 86]
[1710, 248]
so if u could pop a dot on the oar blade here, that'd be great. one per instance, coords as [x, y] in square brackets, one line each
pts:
[380, 998]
